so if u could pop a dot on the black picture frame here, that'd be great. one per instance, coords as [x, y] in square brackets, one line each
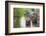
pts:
[6, 18]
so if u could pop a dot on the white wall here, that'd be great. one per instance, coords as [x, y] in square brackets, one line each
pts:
[2, 18]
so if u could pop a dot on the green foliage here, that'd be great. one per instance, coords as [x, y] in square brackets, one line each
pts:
[16, 22]
[19, 11]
